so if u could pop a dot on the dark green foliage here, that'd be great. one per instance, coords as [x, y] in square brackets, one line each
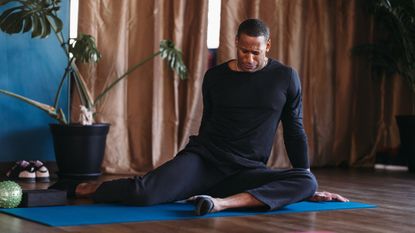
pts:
[393, 50]
[84, 49]
[38, 16]
[174, 57]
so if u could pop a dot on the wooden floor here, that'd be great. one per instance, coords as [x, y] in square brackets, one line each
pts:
[392, 192]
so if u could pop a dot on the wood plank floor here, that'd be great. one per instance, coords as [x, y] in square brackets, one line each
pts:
[392, 192]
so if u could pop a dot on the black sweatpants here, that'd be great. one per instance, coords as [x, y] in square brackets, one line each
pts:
[188, 174]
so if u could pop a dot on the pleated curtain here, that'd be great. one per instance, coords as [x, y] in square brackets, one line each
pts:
[152, 113]
[348, 115]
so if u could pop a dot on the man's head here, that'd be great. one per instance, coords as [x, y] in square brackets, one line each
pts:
[252, 42]
[254, 28]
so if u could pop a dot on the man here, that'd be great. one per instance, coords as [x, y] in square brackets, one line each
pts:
[225, 165]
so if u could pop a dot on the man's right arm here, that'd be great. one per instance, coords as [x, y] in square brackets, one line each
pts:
[295, 138]
[206, 103]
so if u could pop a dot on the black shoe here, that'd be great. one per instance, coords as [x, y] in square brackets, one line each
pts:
[204, 205]
[22, 171]
[42, 172]
[66, 185]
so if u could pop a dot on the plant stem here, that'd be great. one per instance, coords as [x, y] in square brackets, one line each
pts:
[62, 117]
[58, 93]
[44, 107]
[85, 96]
[99, 97]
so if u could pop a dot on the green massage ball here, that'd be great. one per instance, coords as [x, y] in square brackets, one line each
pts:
[10, 194]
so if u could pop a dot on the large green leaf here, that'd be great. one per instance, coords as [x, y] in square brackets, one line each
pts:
[36, 15]
[84, 49]
[173, 56]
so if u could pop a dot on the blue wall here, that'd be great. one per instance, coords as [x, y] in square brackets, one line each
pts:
[32, 68]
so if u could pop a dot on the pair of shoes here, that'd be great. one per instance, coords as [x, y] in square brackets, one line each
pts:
[204, 205]
[42, 172]
[28, 171]
[66, 185]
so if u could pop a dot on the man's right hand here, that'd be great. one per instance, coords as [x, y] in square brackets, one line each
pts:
[327, 196]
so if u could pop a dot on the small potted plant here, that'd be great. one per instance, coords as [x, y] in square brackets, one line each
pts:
[79, 146]
[393, 52]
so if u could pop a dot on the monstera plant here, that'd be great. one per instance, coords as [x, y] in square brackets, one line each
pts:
[40, 18]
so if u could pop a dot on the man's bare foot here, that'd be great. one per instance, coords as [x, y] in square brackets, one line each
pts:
[86, 189]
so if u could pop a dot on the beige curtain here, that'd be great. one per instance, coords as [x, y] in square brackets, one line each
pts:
[152, 113]
[348, 115]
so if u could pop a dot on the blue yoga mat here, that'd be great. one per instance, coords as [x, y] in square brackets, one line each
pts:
[111, 213]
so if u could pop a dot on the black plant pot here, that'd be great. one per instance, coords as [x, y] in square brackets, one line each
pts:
[406, 125]
[79, 149]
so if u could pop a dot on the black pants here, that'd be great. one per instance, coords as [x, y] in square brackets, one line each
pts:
[188, 174]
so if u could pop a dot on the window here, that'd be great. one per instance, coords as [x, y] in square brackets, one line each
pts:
[73, 19]
[213, 24]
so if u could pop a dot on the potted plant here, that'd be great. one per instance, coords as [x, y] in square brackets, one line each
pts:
[393, 52]
[79, 147]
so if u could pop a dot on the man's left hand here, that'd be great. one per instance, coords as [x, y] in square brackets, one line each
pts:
[326, 196]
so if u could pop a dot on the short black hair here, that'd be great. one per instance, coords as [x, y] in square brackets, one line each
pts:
[253, 27]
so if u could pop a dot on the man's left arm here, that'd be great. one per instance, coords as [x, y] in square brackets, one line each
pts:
[295, 138]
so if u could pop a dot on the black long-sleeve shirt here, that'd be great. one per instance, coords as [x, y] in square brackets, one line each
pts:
[241, 114]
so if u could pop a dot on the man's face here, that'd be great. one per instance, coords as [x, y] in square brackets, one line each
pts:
[251, 52]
